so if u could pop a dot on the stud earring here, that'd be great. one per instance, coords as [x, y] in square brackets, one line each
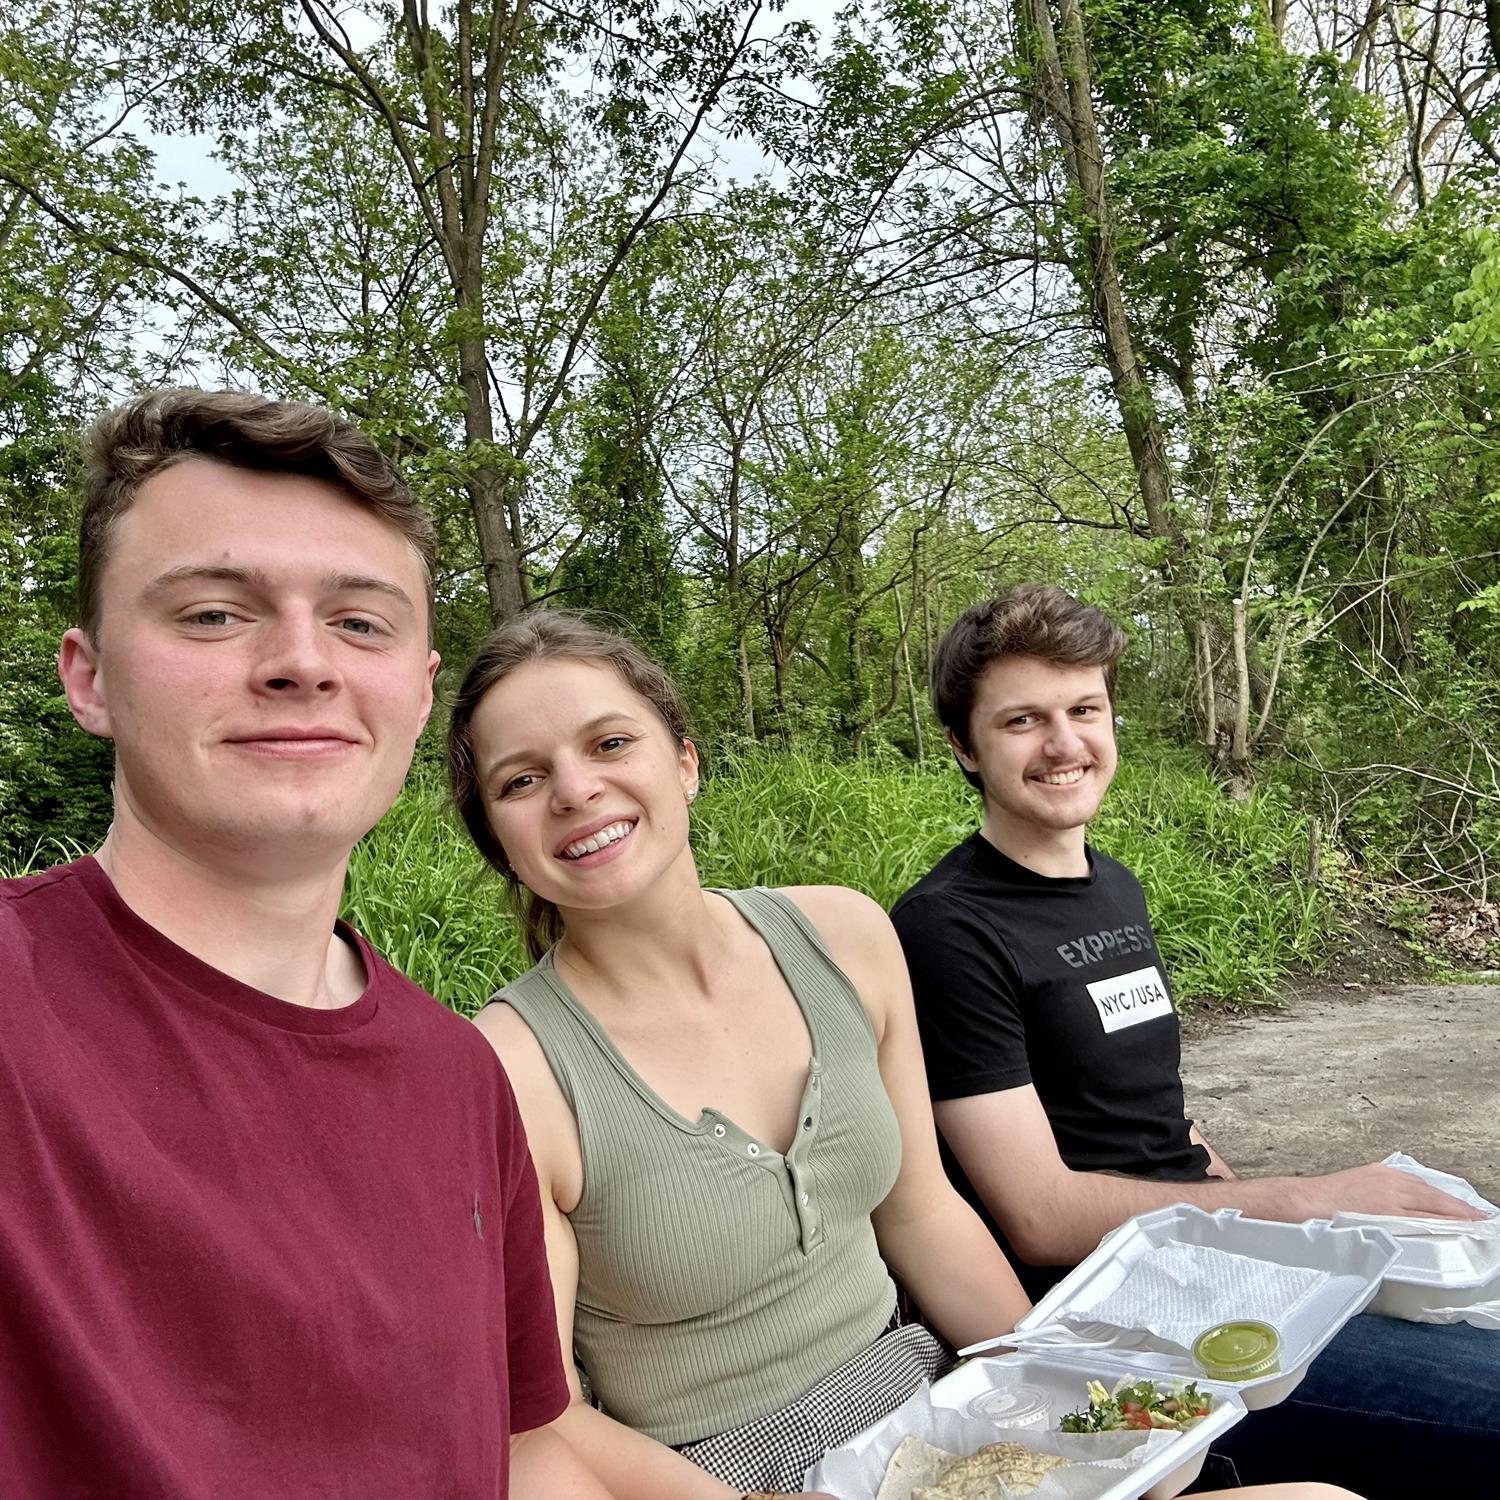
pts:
[691, 793]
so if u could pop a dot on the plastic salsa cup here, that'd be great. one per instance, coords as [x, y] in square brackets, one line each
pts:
[1243, 1350]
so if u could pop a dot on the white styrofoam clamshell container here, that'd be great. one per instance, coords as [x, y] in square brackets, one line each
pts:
[1012, 1399]
[977, 1385]
[1438, 1263]
[1361, 1254]
[1439, 1272]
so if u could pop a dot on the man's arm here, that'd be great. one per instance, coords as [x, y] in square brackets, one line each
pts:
[1054, 1216]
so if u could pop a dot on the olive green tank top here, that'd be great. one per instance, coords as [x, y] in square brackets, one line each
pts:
[718, 1279]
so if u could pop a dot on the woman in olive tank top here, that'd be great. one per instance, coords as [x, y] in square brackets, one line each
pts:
[723, 1093]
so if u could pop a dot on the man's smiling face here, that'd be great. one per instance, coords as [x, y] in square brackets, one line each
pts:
[1042, 739]
[262, 662]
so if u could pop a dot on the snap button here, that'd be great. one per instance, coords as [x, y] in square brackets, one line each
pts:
[812, 1234]
[807, 1123]
[805, 1200]
[815, 1085]
[753, 1149]
[718, 1130]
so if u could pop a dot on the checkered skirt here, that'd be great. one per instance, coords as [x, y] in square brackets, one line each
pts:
[775, 1451]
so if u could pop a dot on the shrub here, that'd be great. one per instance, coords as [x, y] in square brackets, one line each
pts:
[1222, 877]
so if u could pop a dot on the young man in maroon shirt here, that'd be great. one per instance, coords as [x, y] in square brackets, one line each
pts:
[270, 1226]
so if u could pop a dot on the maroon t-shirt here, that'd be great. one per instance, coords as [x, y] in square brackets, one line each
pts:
[248, 1249]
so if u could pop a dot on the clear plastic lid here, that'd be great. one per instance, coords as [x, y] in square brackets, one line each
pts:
[1242, 1350]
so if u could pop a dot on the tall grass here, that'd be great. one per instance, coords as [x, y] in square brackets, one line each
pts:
[1223, 878]
[1230, 912]
[428, 902]
[41, 856]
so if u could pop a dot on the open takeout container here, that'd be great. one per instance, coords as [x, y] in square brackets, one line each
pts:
[1347, 1266]
[1021, 1396]
[1020, 1399]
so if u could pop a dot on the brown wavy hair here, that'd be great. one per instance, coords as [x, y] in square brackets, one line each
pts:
[157, 429]
[1031, 619]
[542, 635]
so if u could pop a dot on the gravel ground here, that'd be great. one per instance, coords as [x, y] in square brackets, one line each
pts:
[1342, 1076]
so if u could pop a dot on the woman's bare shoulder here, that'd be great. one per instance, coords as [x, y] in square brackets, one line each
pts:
[550, 1126]
[508, 1034]
[861, 939]
[840, 913]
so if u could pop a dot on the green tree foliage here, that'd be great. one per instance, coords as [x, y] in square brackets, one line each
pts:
[54, 778]
[69, 315]
[430, 207]
[623, 562]
[783, 348]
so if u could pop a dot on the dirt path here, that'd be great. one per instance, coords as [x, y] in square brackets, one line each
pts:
[1343, 1077]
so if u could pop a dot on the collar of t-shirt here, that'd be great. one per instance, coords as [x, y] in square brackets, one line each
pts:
[999, 864]
[177, 965]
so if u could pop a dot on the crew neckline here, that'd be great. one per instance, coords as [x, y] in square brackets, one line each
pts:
[1018, 874]
[185, 968]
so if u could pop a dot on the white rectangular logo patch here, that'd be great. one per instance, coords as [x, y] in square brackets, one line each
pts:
[1129, 999]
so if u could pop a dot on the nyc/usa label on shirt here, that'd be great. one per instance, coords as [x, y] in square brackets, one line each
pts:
[1129, 999]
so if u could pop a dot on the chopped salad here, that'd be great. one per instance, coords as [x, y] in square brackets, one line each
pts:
[1139, 1405]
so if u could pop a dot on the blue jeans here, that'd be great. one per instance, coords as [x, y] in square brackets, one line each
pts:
[1388, 1409]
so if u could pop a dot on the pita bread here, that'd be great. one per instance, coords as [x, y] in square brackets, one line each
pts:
[913, 1465]
[973, 1478]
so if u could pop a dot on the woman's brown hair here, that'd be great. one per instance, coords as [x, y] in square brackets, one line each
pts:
[542, 635]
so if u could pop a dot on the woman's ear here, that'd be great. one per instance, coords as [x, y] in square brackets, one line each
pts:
[687, 762]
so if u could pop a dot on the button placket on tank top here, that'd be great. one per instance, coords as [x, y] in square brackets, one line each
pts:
[800, 1162]
[794, 1170]
[740, 1143]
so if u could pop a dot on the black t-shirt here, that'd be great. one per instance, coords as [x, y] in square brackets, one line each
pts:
[1020, 978]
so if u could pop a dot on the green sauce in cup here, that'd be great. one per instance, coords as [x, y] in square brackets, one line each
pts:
[1243, 1350]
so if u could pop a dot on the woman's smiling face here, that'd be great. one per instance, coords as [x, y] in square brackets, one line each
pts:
[584, 786]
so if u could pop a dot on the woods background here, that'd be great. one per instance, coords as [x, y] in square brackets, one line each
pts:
[781, 336]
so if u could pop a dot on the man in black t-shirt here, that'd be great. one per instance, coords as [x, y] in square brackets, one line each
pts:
[1050, 989]
[1046, 1015]
[1049, 1031]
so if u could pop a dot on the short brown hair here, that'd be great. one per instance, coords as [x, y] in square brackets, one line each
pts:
[542, 635]
[156, 429]
[1031, 619]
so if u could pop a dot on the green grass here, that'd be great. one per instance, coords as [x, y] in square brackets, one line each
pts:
[428, 902]
[42, 856]
[1222, 878]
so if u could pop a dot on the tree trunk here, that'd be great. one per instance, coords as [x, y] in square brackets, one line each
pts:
[747, 683]
[1065, 82]
[489, 496]
[1238, 764]
[779, 661]
[734, 585]
[911, 686]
